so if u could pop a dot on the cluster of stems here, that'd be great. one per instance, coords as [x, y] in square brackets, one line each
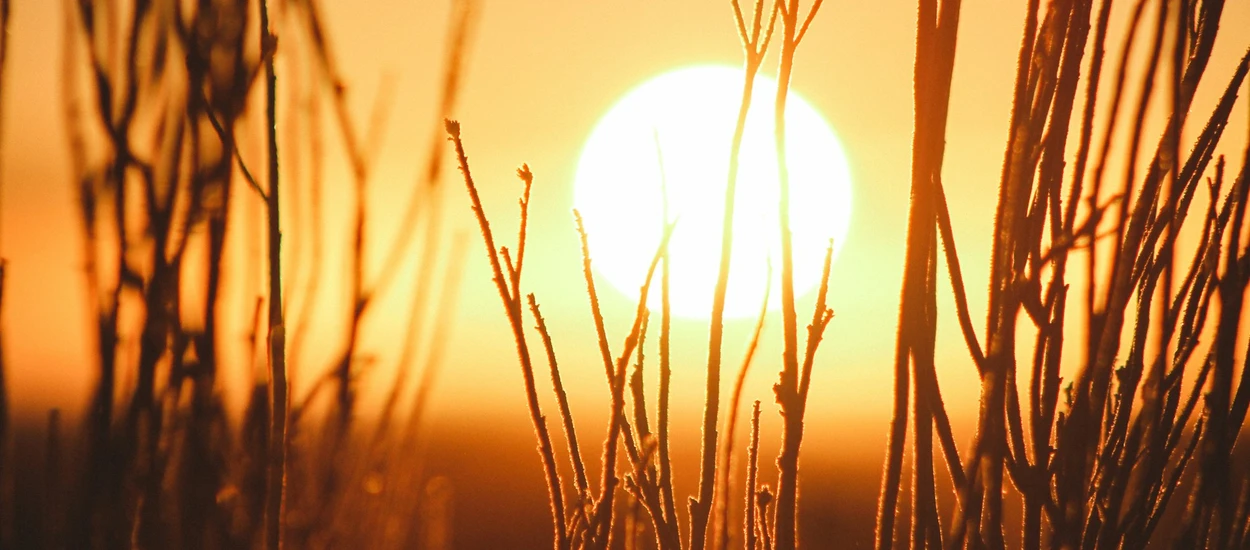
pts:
[589, 522]
[1098, 470]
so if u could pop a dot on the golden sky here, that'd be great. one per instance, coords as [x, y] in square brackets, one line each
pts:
[539, 75]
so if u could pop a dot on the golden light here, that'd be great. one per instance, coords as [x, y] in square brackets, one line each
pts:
[673, 133]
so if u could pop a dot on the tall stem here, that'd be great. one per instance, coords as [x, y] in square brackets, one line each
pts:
[276, 490]
[785, 537]
[701, 508]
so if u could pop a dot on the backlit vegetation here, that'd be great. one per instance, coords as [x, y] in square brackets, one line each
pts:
[1137, 447]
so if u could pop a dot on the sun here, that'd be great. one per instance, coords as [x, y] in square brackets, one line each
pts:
[671, 135]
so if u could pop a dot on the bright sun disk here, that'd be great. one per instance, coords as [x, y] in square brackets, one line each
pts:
[674, 132]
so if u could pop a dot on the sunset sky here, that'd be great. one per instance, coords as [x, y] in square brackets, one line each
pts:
[538, 77]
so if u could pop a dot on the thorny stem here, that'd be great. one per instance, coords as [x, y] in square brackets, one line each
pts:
[562, 399]
[605, 352]
[602, 520]
[666, 321]
[748, 519]
[701, 507]
[513, 309]
[935, 48]
[727, 451]
[791, 388]
[276, 491]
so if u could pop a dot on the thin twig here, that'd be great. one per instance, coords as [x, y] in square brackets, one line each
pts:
[513, 310]
[735, 399]
[562, 399]
[276, 490]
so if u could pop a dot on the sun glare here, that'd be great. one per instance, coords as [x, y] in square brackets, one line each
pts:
[673, 133]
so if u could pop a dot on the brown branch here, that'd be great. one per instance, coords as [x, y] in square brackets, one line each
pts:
[748, 518]
[276, 490]
[605, 352]
[672, 538]
[935, 51]
[513, 310]
[727, 448]
[701, 507]
[601, 522]
[562, 399]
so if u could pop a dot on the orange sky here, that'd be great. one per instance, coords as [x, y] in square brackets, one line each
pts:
[539, 76]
